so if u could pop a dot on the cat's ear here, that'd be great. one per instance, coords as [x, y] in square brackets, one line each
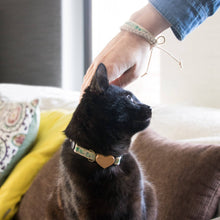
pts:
[99, 81]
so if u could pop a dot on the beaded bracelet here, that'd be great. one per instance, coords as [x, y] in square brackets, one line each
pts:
[137, 29]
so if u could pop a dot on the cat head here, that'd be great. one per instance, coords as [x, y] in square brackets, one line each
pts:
[107, 115]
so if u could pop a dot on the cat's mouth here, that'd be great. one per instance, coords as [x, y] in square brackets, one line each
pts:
[143, 120]
[147, 120]
[145, 116]
[140, 125]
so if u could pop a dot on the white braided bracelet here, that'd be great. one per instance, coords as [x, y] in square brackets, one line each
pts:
[137, 29]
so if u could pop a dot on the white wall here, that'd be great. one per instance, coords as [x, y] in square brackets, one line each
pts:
[198, 83]
[72, 44]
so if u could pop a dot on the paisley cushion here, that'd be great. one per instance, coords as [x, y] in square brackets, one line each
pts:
[19, 124]
[49, 139]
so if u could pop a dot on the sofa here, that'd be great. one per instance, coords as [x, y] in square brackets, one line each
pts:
[180, 155]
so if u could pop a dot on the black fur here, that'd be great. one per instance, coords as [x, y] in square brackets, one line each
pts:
[104, 121]
[107, 118]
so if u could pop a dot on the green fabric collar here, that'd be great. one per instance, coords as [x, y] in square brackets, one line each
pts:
[101, 160]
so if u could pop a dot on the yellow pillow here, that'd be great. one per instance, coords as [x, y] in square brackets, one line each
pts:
[50, 138]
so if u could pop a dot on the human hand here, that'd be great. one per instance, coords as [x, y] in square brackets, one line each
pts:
[124, 57]
[126, 54]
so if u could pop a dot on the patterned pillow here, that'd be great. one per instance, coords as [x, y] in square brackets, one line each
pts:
[19, 124]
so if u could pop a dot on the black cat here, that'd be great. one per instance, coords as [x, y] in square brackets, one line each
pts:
[99, 178]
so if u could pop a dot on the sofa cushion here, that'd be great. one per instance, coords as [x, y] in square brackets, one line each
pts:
[187, 123]
[186, 176]
[19, 123]
[49, 139]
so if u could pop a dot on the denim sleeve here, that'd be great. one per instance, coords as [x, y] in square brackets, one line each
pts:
[185, 15]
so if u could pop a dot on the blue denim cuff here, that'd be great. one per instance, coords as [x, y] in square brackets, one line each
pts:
[185, 15]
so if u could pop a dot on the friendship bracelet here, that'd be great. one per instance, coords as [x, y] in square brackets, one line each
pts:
[137, 29]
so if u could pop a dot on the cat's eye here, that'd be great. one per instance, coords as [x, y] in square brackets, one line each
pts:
[130, 98]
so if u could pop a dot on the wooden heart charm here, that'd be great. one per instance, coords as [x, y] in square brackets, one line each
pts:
[104, 161]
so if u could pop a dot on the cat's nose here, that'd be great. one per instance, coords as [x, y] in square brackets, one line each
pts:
[146, 111]
[149, 111]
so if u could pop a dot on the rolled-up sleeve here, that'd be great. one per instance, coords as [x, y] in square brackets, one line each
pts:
[185, 15]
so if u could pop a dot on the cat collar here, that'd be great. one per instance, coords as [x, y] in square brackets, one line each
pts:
[101, 160]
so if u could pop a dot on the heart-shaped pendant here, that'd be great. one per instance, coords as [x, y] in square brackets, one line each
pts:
[104, 161]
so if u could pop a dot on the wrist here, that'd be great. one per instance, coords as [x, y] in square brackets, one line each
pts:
[134, 40]
[150, 19]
